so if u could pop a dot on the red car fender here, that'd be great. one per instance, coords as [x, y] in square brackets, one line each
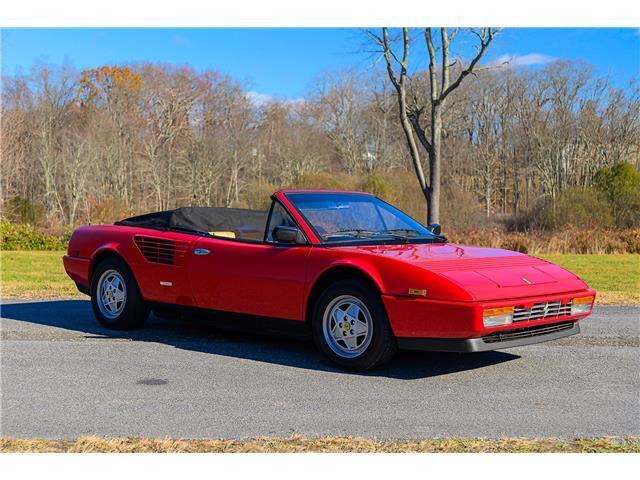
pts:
[366, 270]
[109, 248]
[392, 277]
[321, 264]
[81, 269]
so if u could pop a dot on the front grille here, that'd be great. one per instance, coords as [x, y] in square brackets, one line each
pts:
[159, 250]
[555, 309]
[526, 332]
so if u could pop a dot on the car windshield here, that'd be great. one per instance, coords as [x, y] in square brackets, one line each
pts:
[339, 217]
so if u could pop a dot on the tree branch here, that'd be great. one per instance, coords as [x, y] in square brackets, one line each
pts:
[486, 36]
[433, 74]
[414, 118]
[445, 58]
[387, 56]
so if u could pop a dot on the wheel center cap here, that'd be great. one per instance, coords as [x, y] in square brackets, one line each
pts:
[346, 326]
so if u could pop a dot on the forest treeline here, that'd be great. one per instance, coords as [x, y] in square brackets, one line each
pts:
[522, 149]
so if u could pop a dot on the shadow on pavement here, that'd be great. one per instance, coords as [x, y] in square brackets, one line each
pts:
[203, 336]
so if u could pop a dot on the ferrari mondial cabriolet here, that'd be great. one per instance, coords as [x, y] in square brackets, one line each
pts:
[356, 274]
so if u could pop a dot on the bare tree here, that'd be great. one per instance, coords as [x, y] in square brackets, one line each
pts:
[430, 136]
[291, 144]
[113, 141]
[340, 110]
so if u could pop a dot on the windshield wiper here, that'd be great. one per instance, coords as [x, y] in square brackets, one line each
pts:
[435, 238]
[400, 233]
[369, 233]
[396, 233]
[401, 230]
[354, 232]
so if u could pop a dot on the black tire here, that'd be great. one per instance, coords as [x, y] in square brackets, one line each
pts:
[382, 345]
[135, 310]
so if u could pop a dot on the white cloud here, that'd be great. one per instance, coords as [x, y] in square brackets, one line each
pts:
[259, 99]
[262, 99]
[527, 60]
[295, 100]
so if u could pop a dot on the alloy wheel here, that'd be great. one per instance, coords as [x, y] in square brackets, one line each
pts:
[347, 326]
[112, 294]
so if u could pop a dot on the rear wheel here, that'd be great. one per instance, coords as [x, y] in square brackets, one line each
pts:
[115, 296]
[350, 326]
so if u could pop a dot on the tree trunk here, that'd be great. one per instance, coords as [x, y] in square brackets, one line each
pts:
[487, 191]
[433, 206]
[413, 149]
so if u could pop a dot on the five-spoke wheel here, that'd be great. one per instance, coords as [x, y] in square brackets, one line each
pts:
[112, 293]
[350, 325]
[115, 296]
[347, 326]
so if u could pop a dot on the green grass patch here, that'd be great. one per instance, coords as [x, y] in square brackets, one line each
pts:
[34, 274]
[616, 277]
[299, 444]
[31, 274]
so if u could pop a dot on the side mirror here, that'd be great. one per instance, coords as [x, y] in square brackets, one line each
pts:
[435, 228]
[284, 234]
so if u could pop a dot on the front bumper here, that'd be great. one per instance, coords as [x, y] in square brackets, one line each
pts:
[426, 318]
[494, 341]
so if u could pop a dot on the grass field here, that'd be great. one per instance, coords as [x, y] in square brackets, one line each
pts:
[615, 277]
[40, 274]
[32, 274]
[326, 444]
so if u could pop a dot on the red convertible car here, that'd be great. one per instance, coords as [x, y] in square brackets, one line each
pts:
[360, 276]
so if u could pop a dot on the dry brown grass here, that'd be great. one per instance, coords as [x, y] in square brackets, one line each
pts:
[618, 298]
[569, 240]
[297, 444]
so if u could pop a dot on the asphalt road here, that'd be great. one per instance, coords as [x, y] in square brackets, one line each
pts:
[63, 376]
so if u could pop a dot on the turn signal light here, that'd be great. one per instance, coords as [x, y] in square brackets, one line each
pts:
[417, 292]
[581, 300]
[493, 317]
[490, 312]
[581, 305]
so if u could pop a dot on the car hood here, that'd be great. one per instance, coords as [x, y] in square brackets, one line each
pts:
[484, 273]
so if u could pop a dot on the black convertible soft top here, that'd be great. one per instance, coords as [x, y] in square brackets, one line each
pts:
[243, 222]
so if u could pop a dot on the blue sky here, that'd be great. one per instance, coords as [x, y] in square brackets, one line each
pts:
[284, 62]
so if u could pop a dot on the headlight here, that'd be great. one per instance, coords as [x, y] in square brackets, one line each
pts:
[581, 305]
[493, 317]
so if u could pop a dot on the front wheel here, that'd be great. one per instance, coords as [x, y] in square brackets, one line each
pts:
[115, 296]
[351, 328]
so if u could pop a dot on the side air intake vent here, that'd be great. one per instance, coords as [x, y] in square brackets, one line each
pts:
[160, 250]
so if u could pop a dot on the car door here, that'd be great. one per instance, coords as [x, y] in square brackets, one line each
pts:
[250, 277]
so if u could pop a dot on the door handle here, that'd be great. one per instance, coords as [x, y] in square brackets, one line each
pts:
[201, 251]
